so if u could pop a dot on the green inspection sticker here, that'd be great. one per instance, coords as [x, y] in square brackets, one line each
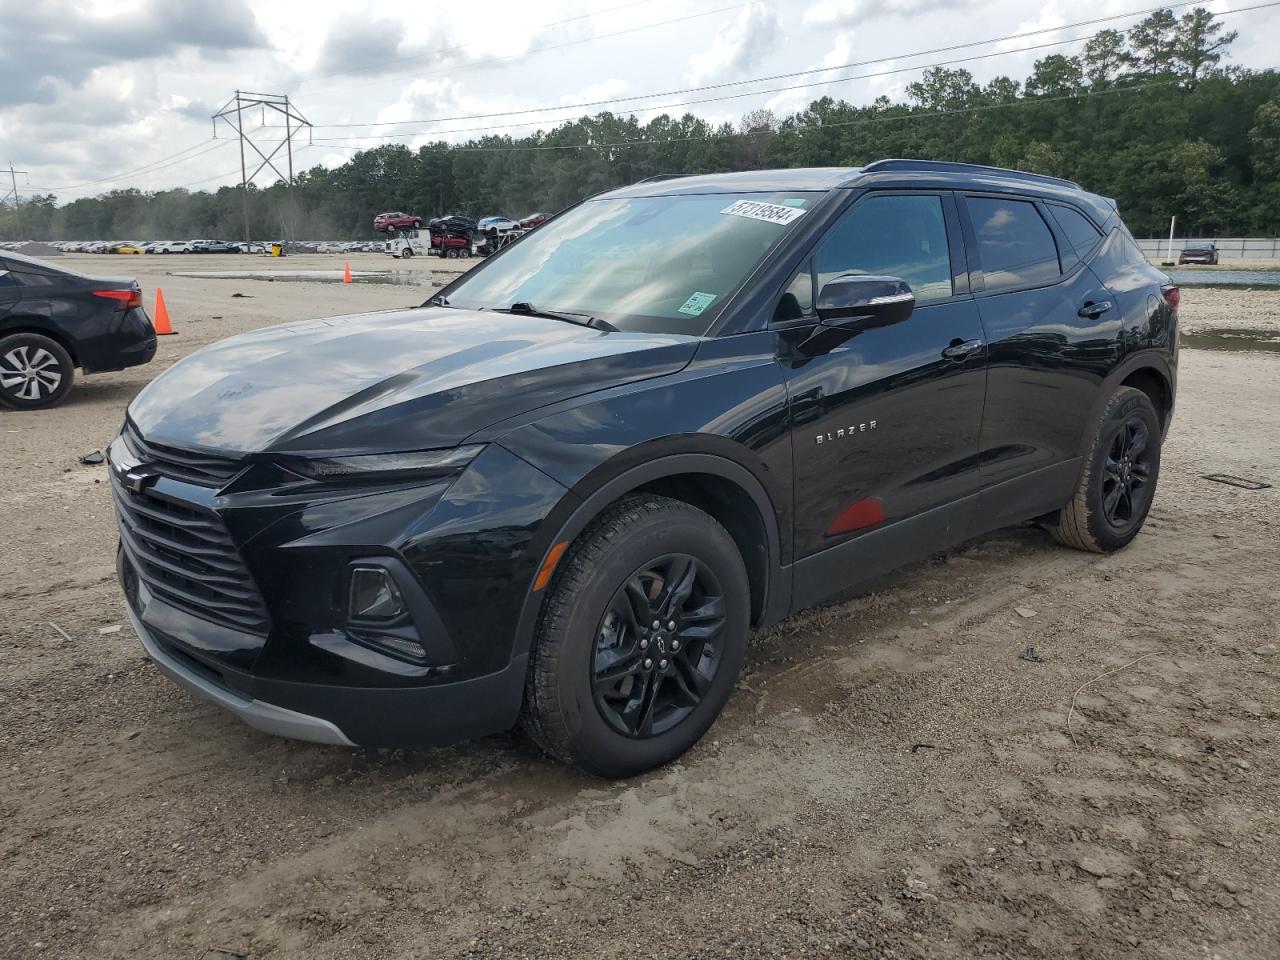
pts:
[697, 303]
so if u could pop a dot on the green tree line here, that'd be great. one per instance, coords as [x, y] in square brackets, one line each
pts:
[1150, 117]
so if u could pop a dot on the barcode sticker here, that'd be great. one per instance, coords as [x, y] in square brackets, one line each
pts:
[769, 212]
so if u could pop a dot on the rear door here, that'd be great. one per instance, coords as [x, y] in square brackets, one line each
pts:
[1053, 333]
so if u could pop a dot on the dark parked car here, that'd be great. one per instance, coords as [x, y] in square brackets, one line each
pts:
[387, 222]
[53, 320]
[1198, 253]
[564, 490]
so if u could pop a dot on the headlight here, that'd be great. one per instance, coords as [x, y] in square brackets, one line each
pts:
[415, 464]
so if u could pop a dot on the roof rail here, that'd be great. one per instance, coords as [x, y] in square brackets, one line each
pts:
[944, 166]
[657, 177]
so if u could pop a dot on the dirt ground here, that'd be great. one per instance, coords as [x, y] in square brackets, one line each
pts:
[890, 779]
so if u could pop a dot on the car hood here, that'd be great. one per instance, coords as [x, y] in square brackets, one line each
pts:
[402, 380]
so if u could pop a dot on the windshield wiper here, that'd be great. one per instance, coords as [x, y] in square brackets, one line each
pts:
[526, 309]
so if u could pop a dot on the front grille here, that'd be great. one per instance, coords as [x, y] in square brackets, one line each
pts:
[203, 469]
[185, 556]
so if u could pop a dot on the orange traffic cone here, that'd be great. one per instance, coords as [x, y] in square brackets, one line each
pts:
[161, 321]
[346, 273]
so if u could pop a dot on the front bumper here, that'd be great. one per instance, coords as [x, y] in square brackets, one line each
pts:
[331, 713]
[266, 717]
[287, 660]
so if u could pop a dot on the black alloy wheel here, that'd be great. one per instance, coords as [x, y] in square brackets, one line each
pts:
[640, 638]
[1117, 483]
[656, 652]
[1127, 473]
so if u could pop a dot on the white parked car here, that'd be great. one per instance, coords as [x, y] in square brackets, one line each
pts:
[494, 226]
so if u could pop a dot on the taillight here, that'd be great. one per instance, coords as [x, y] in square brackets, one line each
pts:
[1172, 296]
[130, 298]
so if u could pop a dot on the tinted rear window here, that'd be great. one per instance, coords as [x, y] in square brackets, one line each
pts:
[1084, 236]
[1014, 243]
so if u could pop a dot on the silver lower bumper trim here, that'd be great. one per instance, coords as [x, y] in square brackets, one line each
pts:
[261, 716]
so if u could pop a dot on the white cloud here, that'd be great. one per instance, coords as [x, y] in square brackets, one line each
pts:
[844, 13]
[756, 32]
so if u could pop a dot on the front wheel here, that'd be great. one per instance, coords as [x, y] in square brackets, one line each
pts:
[406, 253]
[1118, 480]
[641, 639]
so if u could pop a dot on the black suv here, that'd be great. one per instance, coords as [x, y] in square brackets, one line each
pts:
[563, 492]
[53, 320]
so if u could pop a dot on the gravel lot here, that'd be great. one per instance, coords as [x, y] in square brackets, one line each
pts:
[136, 821]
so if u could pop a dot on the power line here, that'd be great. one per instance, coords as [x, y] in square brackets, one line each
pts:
[373, 64]
[734, 96]
[786, 76]
[450, 71]
[151, 167]
[861, 121]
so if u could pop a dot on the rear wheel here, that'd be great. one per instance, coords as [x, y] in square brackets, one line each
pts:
[35, 371]
[1118, 481]
[641, 639]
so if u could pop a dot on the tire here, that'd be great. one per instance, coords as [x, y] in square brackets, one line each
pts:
[1118, 480]
[661, 689]
[406, 253]
[417, 224]
[465, 253]
[49, 386]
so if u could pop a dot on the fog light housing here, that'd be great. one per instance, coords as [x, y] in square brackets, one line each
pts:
[374, 595]
[396, 646]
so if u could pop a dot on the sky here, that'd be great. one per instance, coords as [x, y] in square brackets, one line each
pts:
[105, 94]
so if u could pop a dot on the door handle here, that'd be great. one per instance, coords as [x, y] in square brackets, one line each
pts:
[960, 349]
[1092, 310]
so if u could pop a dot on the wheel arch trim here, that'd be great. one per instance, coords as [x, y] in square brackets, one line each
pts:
[595, 495]
[1152, 360]
[31, 323]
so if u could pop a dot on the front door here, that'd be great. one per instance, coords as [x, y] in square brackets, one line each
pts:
[885, 426]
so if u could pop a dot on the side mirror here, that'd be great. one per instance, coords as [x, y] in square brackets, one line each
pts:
[854, 302]
[851, 304]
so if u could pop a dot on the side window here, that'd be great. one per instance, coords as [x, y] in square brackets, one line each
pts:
[1084, 236]
[797, 300]
[1015, 245]
[900, 236]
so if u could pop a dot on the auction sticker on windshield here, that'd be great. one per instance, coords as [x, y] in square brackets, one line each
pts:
[697, 303]
[769, 212]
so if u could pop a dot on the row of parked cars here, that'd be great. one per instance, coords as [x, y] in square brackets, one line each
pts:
[158, 246]
[204, 246]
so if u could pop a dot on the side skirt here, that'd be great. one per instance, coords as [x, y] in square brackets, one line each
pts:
[848, 565]
[835, 570]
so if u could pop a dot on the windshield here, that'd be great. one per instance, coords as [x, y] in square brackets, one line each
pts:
[653, 264]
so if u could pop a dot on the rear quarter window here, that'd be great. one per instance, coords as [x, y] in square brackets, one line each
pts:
[1084, 236]
[1015, 245]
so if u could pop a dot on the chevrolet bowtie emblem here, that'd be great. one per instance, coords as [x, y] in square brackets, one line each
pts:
[137, 480]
